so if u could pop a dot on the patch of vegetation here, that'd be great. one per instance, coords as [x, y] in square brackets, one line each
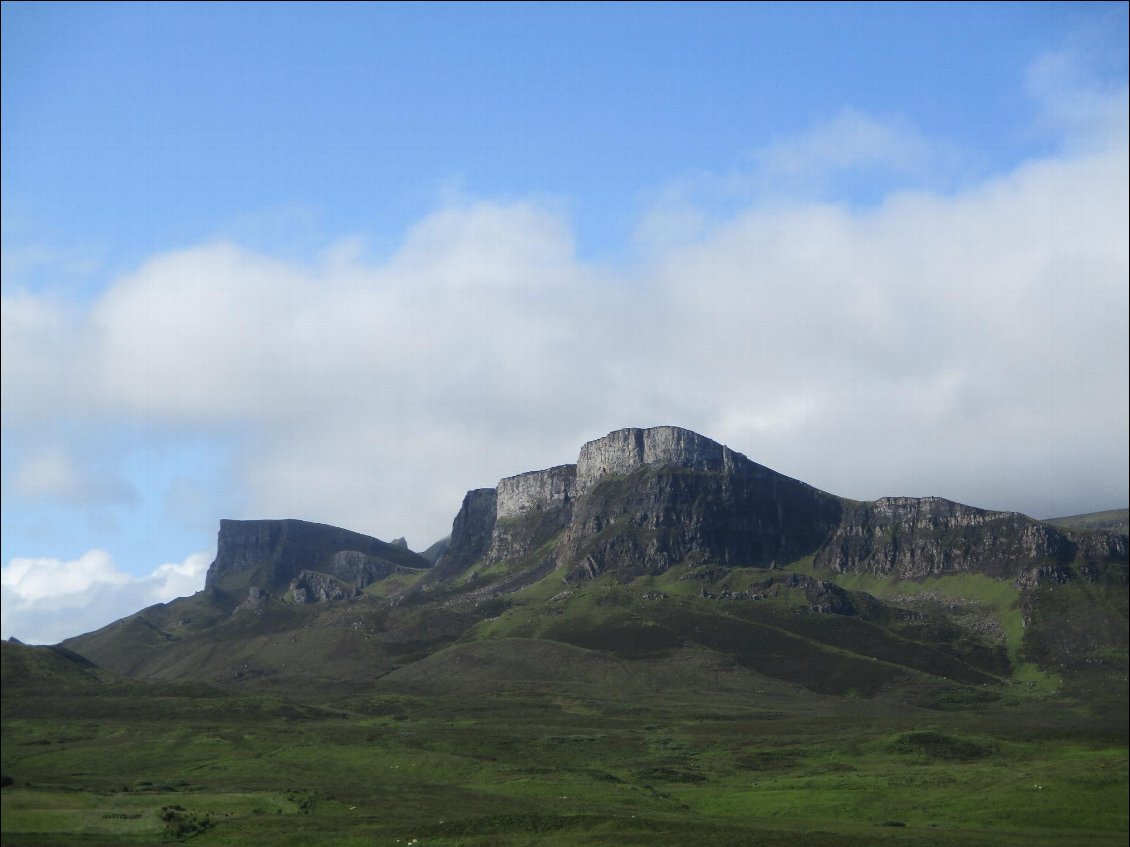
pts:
[939, 745]
[180, 824]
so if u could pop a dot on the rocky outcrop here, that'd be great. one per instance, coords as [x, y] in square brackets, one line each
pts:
[257, 598]
[314, 587]
[642, 500]
[470, 536]
[626, 450]
[535, 491]
[269, 554]
[911, 537]
[821, 597]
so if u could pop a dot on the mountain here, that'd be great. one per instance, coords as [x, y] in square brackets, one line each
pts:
[659, 545]
[297, 556]
[639, 501]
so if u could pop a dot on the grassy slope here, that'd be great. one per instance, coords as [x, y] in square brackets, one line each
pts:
[597, 713]
[1117, 520]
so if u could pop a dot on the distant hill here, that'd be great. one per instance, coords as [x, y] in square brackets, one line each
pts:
[1115, 520]
[26, 667]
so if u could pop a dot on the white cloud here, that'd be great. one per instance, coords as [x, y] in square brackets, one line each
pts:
[38, 353]
[372, 395]
[46, 600]
[34, 580]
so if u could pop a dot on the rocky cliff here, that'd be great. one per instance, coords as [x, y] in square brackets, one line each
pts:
[314, 587]
[626, 450]
[738, 539]
[470, 535]
[911, 537]
[270, 554]
[643, 500]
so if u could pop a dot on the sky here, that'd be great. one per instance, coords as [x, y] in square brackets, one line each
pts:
[345, 262]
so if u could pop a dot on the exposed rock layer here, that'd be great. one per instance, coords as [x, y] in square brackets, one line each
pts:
[270, 554]
[642, 500]
[911, 537]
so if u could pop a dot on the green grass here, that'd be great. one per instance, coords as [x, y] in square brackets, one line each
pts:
[967, 595]
[515, 741]
[395, 584]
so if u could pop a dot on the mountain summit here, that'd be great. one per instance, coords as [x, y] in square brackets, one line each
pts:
[640, 501]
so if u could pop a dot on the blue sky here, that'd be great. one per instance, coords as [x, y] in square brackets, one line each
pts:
[344, 262]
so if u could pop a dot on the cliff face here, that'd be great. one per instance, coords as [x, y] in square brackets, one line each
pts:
[914, 537]
[269, 554]
[642, 500]
[535, 491]
[627, 450]
[470, 535]
[715, 506]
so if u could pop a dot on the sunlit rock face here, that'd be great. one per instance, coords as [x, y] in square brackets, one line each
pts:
[626, 450]
[535, 491]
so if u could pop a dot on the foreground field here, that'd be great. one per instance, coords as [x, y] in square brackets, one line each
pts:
[754, 762]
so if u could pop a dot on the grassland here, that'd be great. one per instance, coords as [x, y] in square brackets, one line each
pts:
[555, 744]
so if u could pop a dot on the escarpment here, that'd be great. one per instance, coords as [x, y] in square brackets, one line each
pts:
[627, 450]
[645, 513]
[643, 500]
[910, 537]
[271, 554]
[535, 491]
[640, 501]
